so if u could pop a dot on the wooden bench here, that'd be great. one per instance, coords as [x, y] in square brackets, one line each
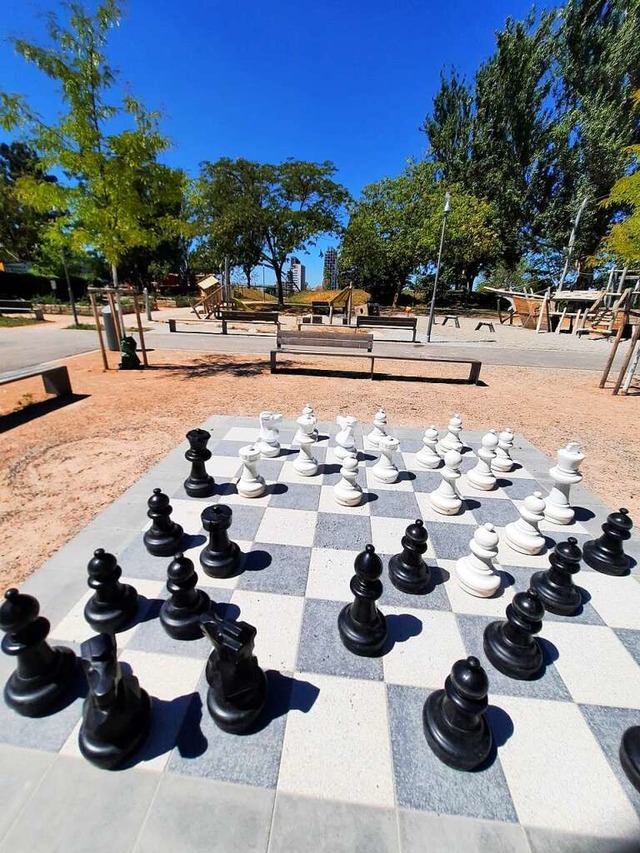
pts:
[248, 317]
[20, 306]
[363, 322]
[55, 379]
[335, 344]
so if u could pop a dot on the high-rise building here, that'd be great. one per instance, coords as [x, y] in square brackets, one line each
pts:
[296, 275]
[330, 272]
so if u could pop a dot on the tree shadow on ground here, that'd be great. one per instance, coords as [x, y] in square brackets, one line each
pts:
[37, 410]
[204, 368]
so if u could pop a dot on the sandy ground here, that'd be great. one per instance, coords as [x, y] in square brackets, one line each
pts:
[61, 466]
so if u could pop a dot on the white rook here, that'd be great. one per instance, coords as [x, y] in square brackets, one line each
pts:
[385, 470]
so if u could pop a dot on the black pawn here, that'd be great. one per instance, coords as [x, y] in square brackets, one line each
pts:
[606, 554]
[363, 629]
[220, 558]
[237, 686]
[454, 719]
[44, 675]
[116, 714]
[630, 755]
[408, 572]
[164, 537]
[180, 614]
[198, 484]
[555, 587]
[511, 646]
[113, 604]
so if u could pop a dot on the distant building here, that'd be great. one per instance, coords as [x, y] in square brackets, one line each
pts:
[296, 275]
[330, 272]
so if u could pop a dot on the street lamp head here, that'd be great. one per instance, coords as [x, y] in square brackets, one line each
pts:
[447, 203]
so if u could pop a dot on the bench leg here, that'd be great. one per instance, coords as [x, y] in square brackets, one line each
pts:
[224, 327]
[372, 365]
[273, 360]
[172, 325]
[56, 381]
[414, 335]
[474, 373]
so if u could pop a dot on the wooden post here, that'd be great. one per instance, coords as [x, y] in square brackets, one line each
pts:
[114, 313]
[631, 371]
[96, 315]
[628, 356]
[543, 305]
[616, 343]
[561, 320]
[141, 333]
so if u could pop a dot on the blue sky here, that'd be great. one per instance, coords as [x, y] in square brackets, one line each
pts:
[332, 80]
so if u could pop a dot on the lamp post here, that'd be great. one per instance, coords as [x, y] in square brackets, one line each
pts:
[445, 213]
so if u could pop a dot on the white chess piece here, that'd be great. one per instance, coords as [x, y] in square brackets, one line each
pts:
[565, 474]
[269, 437]
[524, 535]
[379, 428]
[345, 438]
[451, 440]
[427, 457]
[305, 463]
[347, 490]
[385, 470]
[481, 476]
[503, 463]
[306, 424]
[446, 499]
[250, 484]
[475, 572]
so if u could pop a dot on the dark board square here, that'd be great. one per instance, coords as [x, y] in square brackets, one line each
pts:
[279, 569]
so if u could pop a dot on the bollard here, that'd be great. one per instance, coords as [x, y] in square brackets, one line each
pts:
[110, 329]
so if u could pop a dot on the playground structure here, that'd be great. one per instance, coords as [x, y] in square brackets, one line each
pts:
[112, 295]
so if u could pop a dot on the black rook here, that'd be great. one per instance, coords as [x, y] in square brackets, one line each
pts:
[198, 484]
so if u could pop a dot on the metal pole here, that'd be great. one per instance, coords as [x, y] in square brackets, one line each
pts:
[147, 303]
[435, 283]
[72, 301]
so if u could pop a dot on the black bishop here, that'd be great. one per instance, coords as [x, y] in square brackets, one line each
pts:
[511, 646]
[408, 572]
[113, 605]
[164, 537]
[555, 587]
[363, 629]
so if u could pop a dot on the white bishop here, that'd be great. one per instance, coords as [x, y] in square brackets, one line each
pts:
[446, 499]
[250, 484]
[475, 573]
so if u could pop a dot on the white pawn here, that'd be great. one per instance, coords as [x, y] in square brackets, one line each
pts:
[503, 463]
[379, 428]
[345, 437]
[427, 457]
[481, 476]
[475, 572]
[446, 499]
[565, 474]
[347, 491]
[269, 437]
[524, 534]
[451, 440]
[306, 424]
[250, 484]
[305, 463]
[385, 470]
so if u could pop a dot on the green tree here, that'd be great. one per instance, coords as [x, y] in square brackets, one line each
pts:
[112, 179]
[623, 239]
[21, 228]
[260, 212]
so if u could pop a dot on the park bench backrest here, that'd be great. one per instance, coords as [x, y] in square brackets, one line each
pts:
[316, 338]
[267, 316]
[398, 322]
[15, 304]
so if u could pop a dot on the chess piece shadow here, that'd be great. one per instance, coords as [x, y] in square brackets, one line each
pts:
[439, 575]
[400, 628]
[225, 489]
[285, 694]
[289, 451]
[192, 540]
[550, 654]
[148, 609]
[405, 476]
[191, 741]
[500, 723]
[256, 561]
[469, 504]
[583, 514]
[503, 482]
[225, 610]
[506, 580]
[276, 489]
[167, 718]
[329, 468]
[368, 498]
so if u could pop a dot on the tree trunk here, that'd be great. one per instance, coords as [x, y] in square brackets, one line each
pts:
[114, 275]
[280, 291]
[398, 291]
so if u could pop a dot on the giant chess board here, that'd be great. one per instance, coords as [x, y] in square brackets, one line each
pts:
[339, 760]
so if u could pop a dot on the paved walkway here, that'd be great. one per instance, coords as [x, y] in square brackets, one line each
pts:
[28, 346]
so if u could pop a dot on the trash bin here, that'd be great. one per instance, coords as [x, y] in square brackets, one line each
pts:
[110, 329]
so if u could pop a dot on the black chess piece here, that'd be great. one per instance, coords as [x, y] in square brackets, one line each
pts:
[220, 557]
[511, 646]
[180, 614]
[606, 554]
[164, 537]
[129, 358]
[454, 719]
[555, 586]
[113, 605]
[363, 629]
[198, 484]
[408, 572]
[116, 714]
[630, 755]
[45, 675]
[237, 686]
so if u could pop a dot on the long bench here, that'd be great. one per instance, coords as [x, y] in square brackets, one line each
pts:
[334, 344]
[248, 317]
[55, 379]
[365, 322]
[20, 306]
